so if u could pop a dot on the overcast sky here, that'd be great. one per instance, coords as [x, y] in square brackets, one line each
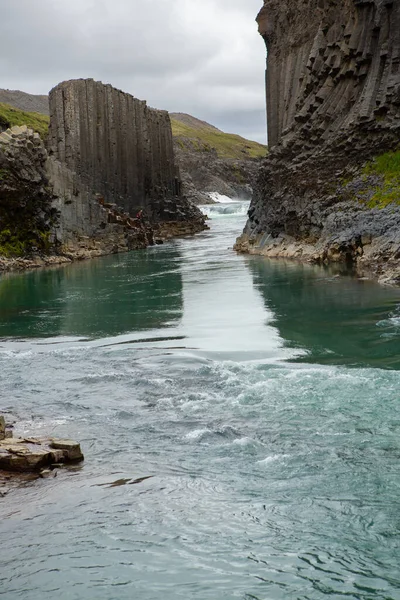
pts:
[202, 57]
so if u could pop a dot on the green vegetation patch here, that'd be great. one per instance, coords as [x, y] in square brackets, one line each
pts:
[10, 116]
[227, 145]
[17, 243]
[387, 167]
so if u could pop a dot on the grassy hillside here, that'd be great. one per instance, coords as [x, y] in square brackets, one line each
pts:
[192, 121]
[27, 102]
[10, 116]
[204, 137]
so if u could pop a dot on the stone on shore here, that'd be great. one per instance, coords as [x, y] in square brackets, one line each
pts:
[30, 454]
[67, 449]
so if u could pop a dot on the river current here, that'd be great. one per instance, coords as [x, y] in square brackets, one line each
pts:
[239, 419]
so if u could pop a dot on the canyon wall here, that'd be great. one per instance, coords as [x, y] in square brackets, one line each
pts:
[110, 155]
[76, 193]
[331, 64]
[333, 104]
[27, 215]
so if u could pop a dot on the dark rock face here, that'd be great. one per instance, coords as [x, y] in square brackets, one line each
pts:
[333, 96]
[27, 214]
[117, 147]
[331, 64]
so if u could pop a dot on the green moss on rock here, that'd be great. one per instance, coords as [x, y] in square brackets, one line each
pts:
[27, 215]
[387, 168]
[18, 240]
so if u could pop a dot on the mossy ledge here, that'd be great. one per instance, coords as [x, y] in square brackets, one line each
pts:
[387, 168]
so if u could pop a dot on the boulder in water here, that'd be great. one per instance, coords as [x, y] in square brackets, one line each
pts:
[31, 454]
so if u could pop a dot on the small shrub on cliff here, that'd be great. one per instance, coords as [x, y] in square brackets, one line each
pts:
[385, 164]
[10, 245]
[20, 241]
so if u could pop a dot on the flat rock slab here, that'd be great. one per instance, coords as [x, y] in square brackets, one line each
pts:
[31, 454]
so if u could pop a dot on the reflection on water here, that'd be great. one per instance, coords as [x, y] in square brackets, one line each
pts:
[102, 297]
[337, 320]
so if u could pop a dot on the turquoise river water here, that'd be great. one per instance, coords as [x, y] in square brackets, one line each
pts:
[239, 419]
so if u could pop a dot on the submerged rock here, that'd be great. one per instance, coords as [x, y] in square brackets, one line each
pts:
[5, 430]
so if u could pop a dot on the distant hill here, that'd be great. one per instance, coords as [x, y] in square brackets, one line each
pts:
[196, 134]
[192, 122]
[26, 102]
[211, 160]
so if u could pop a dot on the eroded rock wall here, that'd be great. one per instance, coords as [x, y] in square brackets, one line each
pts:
[331, 64]
[118, 147]
[333, 103]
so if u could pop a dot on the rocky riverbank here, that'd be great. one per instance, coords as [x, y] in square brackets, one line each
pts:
[351, 217]
[85, 248]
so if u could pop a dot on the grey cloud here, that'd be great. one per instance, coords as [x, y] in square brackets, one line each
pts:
[201, 58]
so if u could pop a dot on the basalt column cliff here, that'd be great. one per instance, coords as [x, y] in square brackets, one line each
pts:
[110, 156]
[330, 188]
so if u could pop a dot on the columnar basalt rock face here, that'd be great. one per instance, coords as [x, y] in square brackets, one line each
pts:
[333, 103]
[88, 226]
[118, 148]
[331, 64]
[108, 156]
